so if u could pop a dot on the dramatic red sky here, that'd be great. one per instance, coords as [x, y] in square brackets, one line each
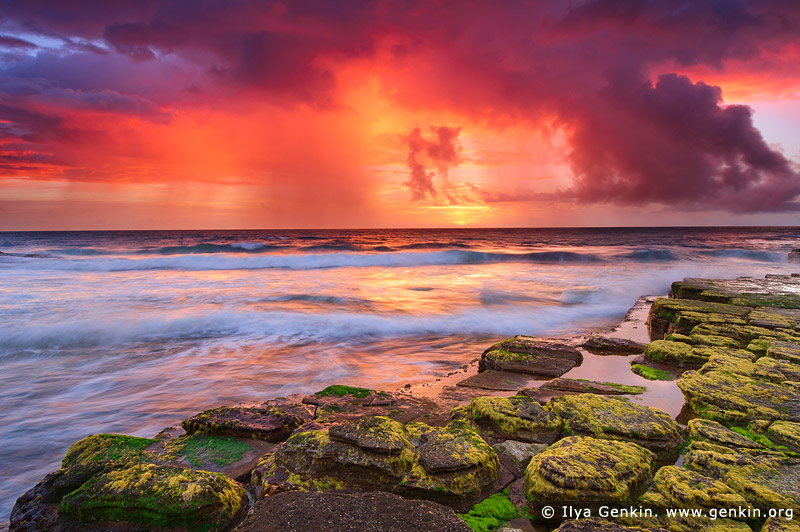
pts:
[147, 114]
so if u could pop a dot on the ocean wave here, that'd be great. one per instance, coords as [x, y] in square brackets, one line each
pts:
[205, 249]
[748, 254]
[282, 327]
[650, 255]
[201, 262]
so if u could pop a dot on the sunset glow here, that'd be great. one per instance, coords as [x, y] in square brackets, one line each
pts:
[242, 114]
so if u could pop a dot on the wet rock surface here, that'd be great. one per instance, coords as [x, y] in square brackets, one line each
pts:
[608, 345]
[265, 422]
[597, 525]
[535, 356]
[297, 511]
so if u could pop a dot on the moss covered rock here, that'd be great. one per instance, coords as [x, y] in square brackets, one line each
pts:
[781, 524]
[452, 464]
[612, 418]
[733, 364]
[738, 399]
[784, 351]
[516, 418]
[162, 496]
[790, 371]
[587, 471]
[130, 496]
[265, 422]
[535, 356]
[765, 479]
[684, 355]
[676, 487]
[606, 345]
[107, 447]
[711, 431]
[786, 434]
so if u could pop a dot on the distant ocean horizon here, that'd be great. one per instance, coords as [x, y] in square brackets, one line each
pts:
[132, 331]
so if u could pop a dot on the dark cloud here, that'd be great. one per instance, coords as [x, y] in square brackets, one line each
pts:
[443, 154]
[673, 142]
[8, 41]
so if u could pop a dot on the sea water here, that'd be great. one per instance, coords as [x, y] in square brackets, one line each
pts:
[129, 332]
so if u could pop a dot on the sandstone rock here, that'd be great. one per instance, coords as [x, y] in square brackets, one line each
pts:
[676, 487]
[765, 479]
[264, 422]
[451, 464]
[339, 403]
[535, 356]
[497, 380]
[292, 511]
[615, 419]
[519, 453]
[770, 291]
[684, 355]
[117, 496]
[597, 525]
[732, 364]
[738, 399]
[784, 351]
[587, 472]
[781, 524]
[606, 345]
[577, 386]
[707, 430]
[786, 434]
[790, 371]
[516, 418]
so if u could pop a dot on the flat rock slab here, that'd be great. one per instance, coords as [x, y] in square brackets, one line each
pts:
[587, 471]
[608, 345]
[612, 418]
[503, 381]
[535, 356]
[295, 511]
[265, 422]
[738, 399]
[331, 409]
[578, 386]
[781, 291]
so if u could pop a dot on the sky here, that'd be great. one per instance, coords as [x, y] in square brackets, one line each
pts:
[223, 114]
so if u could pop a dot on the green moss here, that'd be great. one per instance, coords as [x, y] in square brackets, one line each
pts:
[652, 374]
[490, 513]
[758, 438]
[200, 448]
[98, 447]
[339, 390]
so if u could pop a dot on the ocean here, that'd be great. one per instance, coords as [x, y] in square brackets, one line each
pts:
[130, 332]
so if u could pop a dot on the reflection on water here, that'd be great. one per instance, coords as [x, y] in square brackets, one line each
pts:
[131, 332]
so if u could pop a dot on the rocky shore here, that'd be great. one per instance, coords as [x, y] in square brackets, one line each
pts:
[512, 441]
